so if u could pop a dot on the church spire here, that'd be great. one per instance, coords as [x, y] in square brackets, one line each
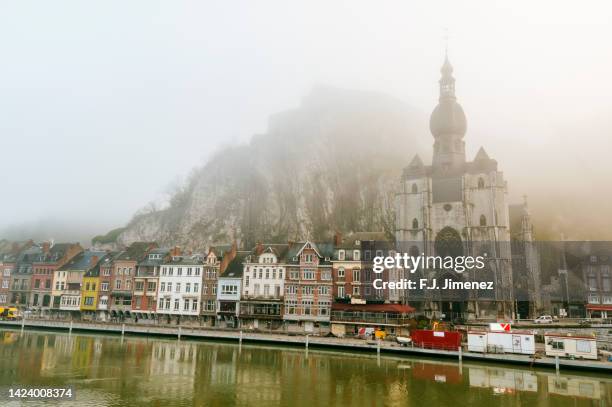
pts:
[447, 81]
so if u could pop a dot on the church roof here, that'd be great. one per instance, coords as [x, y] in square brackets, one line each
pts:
[481, 155]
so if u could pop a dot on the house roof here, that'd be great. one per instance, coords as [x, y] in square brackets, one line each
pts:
[236, 266]
[83, 261]
[136, 251]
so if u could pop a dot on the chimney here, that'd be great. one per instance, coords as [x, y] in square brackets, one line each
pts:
[175, 251]
[93, 261]
[228, 257]
[337, 239]
[259, 248]
[45, 247]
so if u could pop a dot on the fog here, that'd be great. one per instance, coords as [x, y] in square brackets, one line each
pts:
[105, 104]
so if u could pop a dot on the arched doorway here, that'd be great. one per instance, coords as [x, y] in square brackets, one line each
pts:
[453, 302]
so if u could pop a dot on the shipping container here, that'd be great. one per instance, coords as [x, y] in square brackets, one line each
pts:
[425, 338]
[570, 346]
[521, 342]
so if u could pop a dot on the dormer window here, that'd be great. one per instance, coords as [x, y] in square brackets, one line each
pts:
[341, 254]
[356, 255]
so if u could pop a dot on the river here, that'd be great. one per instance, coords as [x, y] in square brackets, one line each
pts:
[133, 371]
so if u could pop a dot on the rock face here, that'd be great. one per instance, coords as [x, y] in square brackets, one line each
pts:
[331, 164]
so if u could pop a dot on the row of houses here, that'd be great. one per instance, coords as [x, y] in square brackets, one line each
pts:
[297, 286]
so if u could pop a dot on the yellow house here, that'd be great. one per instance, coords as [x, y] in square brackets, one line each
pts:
[89, 292]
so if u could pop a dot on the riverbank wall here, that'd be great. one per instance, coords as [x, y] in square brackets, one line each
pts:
[305, 341]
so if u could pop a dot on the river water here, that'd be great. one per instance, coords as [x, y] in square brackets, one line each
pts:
[134, 371]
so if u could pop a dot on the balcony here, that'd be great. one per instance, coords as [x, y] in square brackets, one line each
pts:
[370, 318]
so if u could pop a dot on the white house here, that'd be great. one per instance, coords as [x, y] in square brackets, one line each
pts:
[179, 289]
[229, 289]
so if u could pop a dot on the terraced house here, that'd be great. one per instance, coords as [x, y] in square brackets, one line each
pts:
[90, 290]
[229, 290]
[308, 287]
[146, 280]
[67, 281]
[215, 263]
[180, 288]
[104, 291]
[122, 277]
[21, 278]
[51, 257]
[263, 285]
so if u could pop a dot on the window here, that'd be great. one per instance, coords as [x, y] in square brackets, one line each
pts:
[341, 254]
[483, 220]
[194, 305]
[583, 346]
[309, 274]
[368, 255]
[325, 275]
[324, 290]
[168, 303]
[266, 290]
[414, 189]
[89, 300]
[161, 303]
[340, 292]
[187, 287]
[162, 287]
[128, 284]
[290, 306]
[186, 305]
[307, 305]
[481, 183]
[196, 287]
[341, 272]
[104, 286]
[179, 271]
[210, 305]
[37, 284]
[139, 286]
[117, 284]
[178, 287]
[256, 291]
[246, 281]
[308, 258]
[356, 255]
[151, 286]
[189, 271]
[356, 290]
[415, 223]
[169, 287]
[308, 290]
[229, 289]
[267, 273]
[197, 271]
[280, 273]
[557, 344]
[103, 301]
[291, 289]
[357, 275]
[294, 275]
[176, 304]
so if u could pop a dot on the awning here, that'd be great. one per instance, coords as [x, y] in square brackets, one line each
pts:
[597, 307]
[396, 308]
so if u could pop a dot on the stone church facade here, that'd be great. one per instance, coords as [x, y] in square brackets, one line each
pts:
[456, 207]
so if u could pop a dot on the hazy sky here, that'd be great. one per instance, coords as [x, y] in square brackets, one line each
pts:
[104, 103]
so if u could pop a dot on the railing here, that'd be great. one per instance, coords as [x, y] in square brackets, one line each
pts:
[369, 317]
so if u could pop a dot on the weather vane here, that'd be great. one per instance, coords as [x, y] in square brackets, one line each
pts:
[446, 37]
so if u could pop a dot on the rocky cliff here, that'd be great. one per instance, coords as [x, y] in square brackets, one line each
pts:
[330, 164]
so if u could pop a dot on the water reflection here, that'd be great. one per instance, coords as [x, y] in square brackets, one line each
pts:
[107, 370]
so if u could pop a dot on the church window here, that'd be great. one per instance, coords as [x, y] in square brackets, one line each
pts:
[481, 183]
[483, 220]
[448, 207]
[415, 223]
[415, 189]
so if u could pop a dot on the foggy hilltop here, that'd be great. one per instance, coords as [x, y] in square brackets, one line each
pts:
[331, 164]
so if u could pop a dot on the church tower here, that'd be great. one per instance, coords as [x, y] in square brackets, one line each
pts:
[456, 207]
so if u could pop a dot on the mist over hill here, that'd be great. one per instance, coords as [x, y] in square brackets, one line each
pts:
[330, 164]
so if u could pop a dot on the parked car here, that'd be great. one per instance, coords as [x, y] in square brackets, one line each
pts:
[544, 319]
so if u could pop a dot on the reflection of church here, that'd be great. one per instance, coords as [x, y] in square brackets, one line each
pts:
[455, 207]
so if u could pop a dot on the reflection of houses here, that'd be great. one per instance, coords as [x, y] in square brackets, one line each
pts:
[308, 287]
[174, 364]
[574, 387]
[229, 289]
[503, 380]
[263, 287]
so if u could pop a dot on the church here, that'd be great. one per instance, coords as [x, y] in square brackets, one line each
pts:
[456, 207]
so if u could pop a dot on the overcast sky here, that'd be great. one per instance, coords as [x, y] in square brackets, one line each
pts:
[104, 103]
